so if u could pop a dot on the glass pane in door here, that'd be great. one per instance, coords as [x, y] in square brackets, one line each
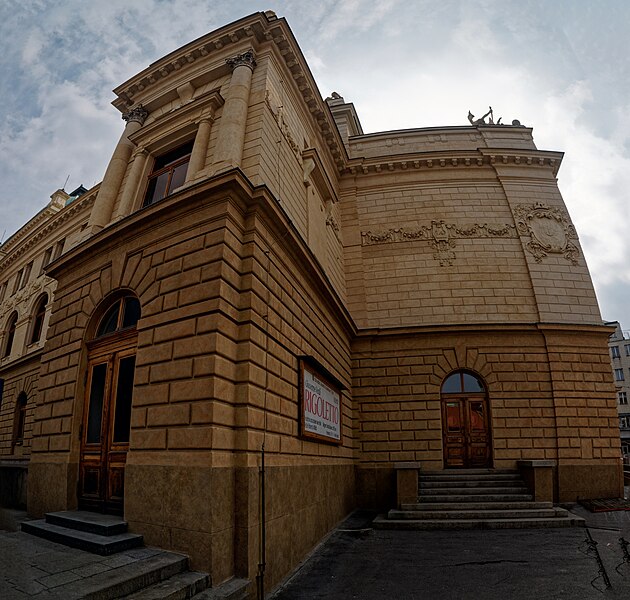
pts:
[124, 392]
[95, 409]
[453, 416]
[477, 421]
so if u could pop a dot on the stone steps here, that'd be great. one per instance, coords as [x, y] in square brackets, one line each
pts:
[455, 506]
[126, 579]
[520, 523]
[180, 586]
[92, 532]
[138, 573]
[475, 499]
[463, 514]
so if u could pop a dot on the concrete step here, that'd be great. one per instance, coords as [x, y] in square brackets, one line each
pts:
[84, 540]
[472, 491]
[466, 472]
[467, 483]
[467, 477]
[91, 522]
[455, 506]
[523, 513]
[233, 589]
[478, 497]
[178, 587]
[383, 522]
[127, 578]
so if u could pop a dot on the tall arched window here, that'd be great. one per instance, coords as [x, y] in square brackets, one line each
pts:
[107, 409]
[20, 418]
[38, 319]
[10, 334]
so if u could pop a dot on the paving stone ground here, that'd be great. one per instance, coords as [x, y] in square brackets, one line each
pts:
[357, 562]
[31, 567]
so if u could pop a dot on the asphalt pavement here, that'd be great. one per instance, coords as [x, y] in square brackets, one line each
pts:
[356, 561]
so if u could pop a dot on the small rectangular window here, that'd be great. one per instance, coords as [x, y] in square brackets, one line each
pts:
[46, 259]
[623, 397]
[619, 375]
[614, 351]
[627, 349]
[58, 249]
[18, 281]
[26, 275]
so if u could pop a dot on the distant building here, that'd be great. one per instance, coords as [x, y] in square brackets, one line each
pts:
[26, 297]
[258, 273]
[619, 345]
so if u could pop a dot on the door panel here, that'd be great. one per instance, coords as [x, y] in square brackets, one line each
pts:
[466, 433]
[106, 431]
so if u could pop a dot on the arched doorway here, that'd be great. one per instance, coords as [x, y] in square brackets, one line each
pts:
[465, 421]
[107, 409]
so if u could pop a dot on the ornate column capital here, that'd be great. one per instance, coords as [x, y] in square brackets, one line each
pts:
[136, 115]
[247, 59]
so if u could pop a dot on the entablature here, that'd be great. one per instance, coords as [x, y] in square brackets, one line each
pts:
[455, 159]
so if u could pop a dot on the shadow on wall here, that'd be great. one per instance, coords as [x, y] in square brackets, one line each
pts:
[13, 480]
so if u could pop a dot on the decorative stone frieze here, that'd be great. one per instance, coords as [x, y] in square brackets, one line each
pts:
[282, 125]
[440, 234]
[550, 230]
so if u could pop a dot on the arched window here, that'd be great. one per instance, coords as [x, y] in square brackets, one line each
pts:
[10, 334]
[123, 314]
[38, 319]
[20, 418]
[462, 382]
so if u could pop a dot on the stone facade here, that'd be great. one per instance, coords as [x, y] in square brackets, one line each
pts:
[26, 294]
[256, 224]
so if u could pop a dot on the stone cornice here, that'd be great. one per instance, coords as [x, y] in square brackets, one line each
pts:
[510, 329]
[255, 30]
[454, 159]
[59, 217]
[46, 213]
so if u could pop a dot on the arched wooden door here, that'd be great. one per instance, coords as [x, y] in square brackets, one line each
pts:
[465, 422]
[107, 409]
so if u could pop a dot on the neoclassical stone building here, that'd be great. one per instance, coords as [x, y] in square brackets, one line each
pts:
[257, 273]
[26, 294]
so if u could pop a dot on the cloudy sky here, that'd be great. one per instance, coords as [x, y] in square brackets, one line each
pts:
[559, 66]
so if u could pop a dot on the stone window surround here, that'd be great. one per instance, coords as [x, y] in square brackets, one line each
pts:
[168, 132]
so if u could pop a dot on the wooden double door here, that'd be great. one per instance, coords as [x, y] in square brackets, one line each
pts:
[466, 431]
[106, 424]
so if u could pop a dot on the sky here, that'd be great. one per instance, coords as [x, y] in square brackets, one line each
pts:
[559, 66]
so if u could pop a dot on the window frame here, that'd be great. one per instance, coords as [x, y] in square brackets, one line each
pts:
[614, 352]
[619, 375]
[168, 168]
[39, 316]
[19, 428]
[9, 337]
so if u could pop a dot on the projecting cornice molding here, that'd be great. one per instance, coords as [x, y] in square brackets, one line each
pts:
[438, 160]
[254, 31]
[59, 217]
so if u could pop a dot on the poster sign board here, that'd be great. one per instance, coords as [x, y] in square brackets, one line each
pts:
[320, 405]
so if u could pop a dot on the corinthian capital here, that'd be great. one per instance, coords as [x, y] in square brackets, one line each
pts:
[247, 59]
[137, 115]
